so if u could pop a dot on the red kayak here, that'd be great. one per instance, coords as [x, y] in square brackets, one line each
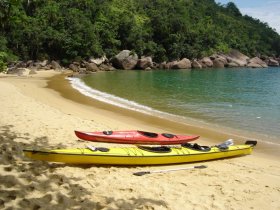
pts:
[135, 137]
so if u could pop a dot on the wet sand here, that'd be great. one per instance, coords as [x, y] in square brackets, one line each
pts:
[33, 116]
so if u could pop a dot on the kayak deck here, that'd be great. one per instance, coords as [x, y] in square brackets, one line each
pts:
[136, 155]
[135, 137]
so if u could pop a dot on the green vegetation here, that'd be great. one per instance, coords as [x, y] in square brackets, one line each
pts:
[165, 29]
[3, 66]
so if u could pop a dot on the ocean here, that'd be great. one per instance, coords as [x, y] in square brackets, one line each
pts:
[241, 99]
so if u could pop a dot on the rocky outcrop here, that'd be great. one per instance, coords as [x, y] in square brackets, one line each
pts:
[128, 60]
[165, 65]
[218, 63]
[91, 67]
[162, 65]
[155, 65]
[196, 64]
[232, 65]
[272, 62]
[74, 67]
[106, 67]
[182, 64]
[238, 55]
[206, 62]
[237, 62]
[98, 61]
[144, 63]
[170, 64]
[55, 65]
[220, 57]
[18, 71]
[236, 58]
[43, 63]
[125, 60]
[256, 63]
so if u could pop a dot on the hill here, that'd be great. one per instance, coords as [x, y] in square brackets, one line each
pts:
[164, 29]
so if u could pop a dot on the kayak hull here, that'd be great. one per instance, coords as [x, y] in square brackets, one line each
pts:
[135, 137]
[135, 155]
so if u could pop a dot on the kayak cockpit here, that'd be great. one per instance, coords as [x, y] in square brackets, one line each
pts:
[154, 135]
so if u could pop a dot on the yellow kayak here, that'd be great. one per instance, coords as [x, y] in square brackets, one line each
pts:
[141, 155]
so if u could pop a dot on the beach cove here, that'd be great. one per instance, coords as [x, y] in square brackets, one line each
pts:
[34, 116]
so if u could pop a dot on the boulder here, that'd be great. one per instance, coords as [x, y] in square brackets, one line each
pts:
[145, 63]
[272, 62]
[238, 55]
[125, 60]
[47, 67]
[232, 65]
[83, 71]
[20, 64]
[162, 65]
[55, 65]
[91, 67]
[182, 64]
[218, 63]
[74, 67]
[196, 64]
[155, 65]
[206, 62]
[29, 63]
[18, 71]
[170, 64]
[98, 61]
[256, 63]
[234, 56]
[238, 62]
[43, 63]
[106, 67]
[222, 58]
[165, 65]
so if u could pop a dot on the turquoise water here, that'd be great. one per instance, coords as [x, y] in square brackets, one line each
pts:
[244, 99]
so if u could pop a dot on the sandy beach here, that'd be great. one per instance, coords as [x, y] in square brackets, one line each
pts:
[36, 113]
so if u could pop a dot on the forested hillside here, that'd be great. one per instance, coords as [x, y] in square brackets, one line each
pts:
[165, 29]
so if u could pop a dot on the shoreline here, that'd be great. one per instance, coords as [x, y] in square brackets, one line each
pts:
[34, 116]
[207, 134]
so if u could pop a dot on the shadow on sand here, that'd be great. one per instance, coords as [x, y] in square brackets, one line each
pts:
[26, 184]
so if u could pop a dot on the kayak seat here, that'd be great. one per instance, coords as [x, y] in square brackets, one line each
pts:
[162, 149]
[108, 132]
[148, 134]
[168, 135]
[196, 147]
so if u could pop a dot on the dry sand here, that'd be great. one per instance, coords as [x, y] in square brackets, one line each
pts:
[33, 116]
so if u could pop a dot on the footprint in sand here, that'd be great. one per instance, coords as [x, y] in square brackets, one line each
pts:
[8, 168]
[8, 181]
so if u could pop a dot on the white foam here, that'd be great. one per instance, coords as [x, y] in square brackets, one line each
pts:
[79, 85]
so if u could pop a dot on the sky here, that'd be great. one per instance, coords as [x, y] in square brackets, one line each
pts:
[265, 10]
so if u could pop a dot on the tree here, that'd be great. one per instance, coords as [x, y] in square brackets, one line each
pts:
[232, 8]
